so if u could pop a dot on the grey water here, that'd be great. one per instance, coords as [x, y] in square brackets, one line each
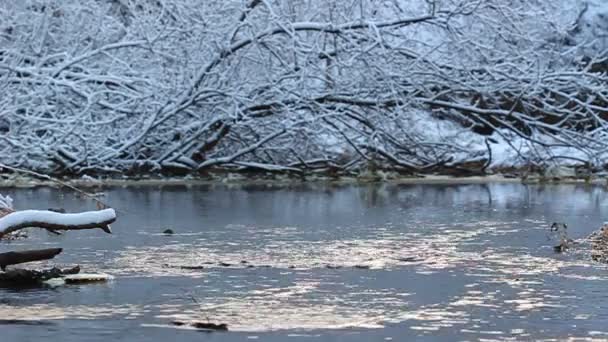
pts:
[319, 263]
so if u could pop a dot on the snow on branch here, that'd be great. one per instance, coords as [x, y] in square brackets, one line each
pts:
[6, 202]
[57, 221]
[408, 83]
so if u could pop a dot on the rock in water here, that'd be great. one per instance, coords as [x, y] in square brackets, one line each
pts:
[168, 231]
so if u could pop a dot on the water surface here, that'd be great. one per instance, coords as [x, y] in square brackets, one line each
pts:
[322, 263]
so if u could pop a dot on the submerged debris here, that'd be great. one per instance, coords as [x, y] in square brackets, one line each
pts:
[596, 243]
[246, 265]
[203, 325]
[20, 277]
[599, 244]
[192, 267]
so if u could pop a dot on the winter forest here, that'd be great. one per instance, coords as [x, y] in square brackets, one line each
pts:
[303, 170]
[186, 86]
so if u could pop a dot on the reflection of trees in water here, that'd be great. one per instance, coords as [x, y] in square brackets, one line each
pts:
[516, 200]
[419, 195]
[374, 195]
[194, 208]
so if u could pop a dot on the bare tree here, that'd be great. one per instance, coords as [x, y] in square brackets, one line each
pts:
[414, 85]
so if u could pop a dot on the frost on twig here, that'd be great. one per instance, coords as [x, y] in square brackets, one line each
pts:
[6, 202]
[6, 205]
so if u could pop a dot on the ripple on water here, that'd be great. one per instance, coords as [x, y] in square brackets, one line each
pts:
[308, 306]
[463, 277]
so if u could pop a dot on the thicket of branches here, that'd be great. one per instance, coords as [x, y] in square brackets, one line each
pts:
[298, 85]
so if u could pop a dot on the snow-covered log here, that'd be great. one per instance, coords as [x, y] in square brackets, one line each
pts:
[57, 221]
[52, 220]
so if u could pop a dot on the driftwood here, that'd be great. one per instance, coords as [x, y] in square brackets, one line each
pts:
[12, 221]
[595, 244]
[19, 277]
[13, 258]
[599, 244]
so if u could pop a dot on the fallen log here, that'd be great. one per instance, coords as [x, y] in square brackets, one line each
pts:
[20, 277]
[13, 258]
[57, 221]
[52, 220]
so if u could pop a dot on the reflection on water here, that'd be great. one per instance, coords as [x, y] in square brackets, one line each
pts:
[437, 262]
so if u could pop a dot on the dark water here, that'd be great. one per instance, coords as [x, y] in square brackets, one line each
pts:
[409, 262]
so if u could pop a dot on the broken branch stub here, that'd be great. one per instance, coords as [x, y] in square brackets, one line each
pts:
[57, 221]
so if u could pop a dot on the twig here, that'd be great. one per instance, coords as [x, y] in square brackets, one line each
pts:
[55, 180]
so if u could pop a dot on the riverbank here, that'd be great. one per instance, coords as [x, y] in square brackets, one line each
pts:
[26, 181]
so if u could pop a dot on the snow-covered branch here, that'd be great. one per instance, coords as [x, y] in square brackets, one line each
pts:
[56, 221]
[411, 84]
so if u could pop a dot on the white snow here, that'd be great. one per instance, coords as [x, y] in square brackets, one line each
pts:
[594, 26]
[87, 277]
[136, 88]
[26, 216]
[6, 202]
